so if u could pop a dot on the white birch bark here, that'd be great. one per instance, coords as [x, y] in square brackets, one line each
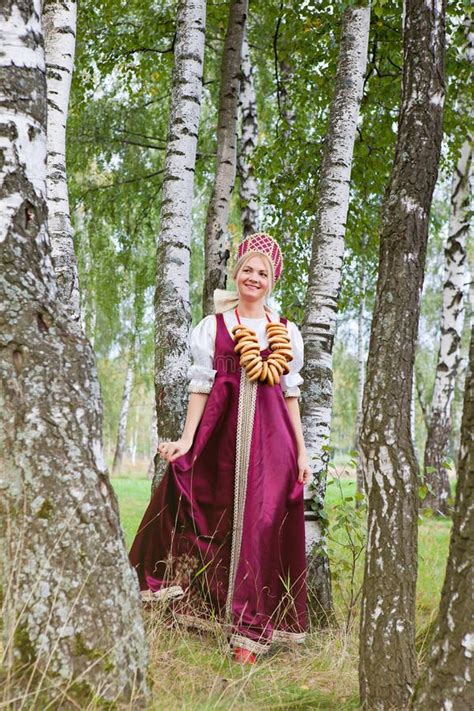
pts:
[134, 438]
[361, 348]
[412, 409]
[452, 321]
[59, 26]
[447, 682]
[361, 359]
[172, 304]
[324, 281]
[216, 251]
[71, 613]
[248, 189]
[124, 407]
[387, 667]
[153, 444]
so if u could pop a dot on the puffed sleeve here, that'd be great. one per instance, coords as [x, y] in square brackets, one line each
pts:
[202, 340]
[291, 381]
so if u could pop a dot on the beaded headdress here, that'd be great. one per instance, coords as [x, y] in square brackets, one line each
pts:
[263, 243]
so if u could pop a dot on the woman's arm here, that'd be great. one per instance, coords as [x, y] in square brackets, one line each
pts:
[293, 406]
[172, 450]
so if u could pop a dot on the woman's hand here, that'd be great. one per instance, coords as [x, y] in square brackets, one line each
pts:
[304, 474]
[172, 450]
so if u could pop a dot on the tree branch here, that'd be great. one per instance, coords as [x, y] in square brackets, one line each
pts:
[120, 182]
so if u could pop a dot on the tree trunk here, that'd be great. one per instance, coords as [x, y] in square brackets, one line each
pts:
[287, 119]
[387, 640]
[153, 443]
[134, 439]
[172, 305]
[215, 241]
[452, 319]
[248, 142]
[71, 618]
[324, 280]
[361, 357]
[59, 23]
[447, 681]
[412, 409]
[123, 417]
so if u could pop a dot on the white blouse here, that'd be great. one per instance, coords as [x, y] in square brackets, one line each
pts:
[202, 341]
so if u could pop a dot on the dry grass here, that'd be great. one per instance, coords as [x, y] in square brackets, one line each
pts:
[193, 670]
[190, 669]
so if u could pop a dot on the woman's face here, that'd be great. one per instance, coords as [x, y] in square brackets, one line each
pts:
[253, 279]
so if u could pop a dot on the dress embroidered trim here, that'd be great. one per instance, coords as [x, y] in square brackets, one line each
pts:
[200, 387]
[292, 392]
[245, 419]
[284, 636]
[173, 592]
[238, 640]
[200, 623]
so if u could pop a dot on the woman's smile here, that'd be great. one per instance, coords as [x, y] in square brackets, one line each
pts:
[253, 277]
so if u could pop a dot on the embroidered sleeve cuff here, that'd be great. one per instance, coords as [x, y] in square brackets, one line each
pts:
[293, 392]
[200, 386]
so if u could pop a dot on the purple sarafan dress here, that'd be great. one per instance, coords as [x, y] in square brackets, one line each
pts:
[226, 524]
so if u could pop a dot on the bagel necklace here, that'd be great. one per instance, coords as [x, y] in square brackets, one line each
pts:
[265, 370]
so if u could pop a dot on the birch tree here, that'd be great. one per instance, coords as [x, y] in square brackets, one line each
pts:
[361, 358]
[59, 24]
[387, 638]
[449, 356]
[172, 305]
[447, 681]
[71, 610]
[324, 279]
[216, 252]
[124, 407]
[248, 189]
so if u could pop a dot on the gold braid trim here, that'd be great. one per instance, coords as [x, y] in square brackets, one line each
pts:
[239, 640]
[284, 636]
[173, 592]
[245, 420]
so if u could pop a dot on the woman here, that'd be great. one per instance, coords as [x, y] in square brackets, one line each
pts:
[224, 531]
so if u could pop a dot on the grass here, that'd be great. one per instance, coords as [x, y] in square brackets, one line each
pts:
[191, 670]
[133, 496]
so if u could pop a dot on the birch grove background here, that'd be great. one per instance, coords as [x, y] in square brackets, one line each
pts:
[117, 137]
[138, 143]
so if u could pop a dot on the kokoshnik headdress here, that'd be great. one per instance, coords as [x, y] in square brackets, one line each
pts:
[260, 243]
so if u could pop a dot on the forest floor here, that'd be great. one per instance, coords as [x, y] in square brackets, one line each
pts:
[192, 670]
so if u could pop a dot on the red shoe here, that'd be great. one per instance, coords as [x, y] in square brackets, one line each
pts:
[244, 656]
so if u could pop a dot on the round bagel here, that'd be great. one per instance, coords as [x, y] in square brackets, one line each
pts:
[249, 357]
[270, 378]
[276, 364]
[250, 347]
[280, 345]
[257, 368]
[273, 370]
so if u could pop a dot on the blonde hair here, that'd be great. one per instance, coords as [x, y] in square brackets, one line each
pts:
[247, 257]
